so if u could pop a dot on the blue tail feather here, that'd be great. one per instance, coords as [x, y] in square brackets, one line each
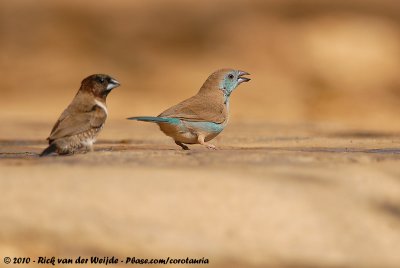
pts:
[154, 119]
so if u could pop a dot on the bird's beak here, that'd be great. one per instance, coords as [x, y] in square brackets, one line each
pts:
[112, 84]
[243, 79]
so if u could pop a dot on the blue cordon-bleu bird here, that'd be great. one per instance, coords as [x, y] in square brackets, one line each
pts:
[202, 117]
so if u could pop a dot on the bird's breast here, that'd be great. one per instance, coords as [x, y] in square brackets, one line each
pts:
[89, 137]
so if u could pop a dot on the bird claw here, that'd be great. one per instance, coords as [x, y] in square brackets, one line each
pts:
[211, 146]
[183, 146]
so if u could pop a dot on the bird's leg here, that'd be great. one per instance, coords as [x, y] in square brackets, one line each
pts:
[184, 147]
[200, 139]
[90, 148]
[87, 148]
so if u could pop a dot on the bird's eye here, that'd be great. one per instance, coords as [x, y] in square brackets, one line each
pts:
[230, 76]
[101, 80]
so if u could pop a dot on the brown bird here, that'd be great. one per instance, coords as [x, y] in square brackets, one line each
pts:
[79, 124]
[202, 117]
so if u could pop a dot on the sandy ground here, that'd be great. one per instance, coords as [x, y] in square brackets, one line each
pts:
[272, 196]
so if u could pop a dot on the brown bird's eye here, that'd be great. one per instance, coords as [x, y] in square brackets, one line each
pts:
[230, 76]
[100, 80]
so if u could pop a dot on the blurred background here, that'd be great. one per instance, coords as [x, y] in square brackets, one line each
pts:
[333, 62]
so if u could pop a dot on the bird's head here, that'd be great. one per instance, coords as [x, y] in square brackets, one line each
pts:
[226, 80]
[100, 85]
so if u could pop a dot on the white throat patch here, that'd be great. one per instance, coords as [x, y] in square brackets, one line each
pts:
[102, 106]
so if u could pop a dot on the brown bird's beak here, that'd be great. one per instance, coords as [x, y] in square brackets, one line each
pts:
[243, 79]
[112, 84]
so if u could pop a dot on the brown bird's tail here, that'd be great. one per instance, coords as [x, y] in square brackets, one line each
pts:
[49, 150]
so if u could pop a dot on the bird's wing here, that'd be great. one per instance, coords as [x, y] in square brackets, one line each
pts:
[206, 108]
[70, 124]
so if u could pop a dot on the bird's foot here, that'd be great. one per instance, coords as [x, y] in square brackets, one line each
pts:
[89, 148]
[184, 147]
[210, 146]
